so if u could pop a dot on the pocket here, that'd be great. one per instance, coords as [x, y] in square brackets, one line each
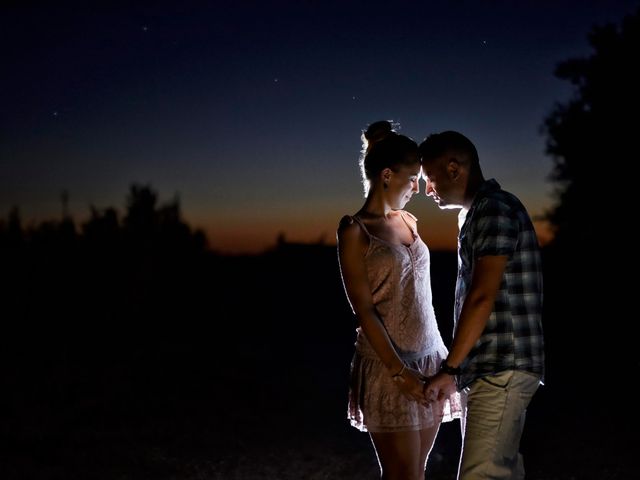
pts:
[499, 380]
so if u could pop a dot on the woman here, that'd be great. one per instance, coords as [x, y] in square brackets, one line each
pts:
[385, 271]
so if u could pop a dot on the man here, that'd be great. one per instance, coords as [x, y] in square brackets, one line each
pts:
[496, 358]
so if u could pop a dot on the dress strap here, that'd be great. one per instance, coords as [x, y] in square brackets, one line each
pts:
[349, 219]
[361, 223]
[413, 226]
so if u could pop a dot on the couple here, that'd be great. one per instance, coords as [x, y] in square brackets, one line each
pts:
[404, 382]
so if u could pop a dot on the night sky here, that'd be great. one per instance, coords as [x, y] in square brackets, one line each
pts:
[251, 112]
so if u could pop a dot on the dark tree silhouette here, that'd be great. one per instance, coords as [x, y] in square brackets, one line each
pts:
[14, 234]
[593, 139]
[103, 228]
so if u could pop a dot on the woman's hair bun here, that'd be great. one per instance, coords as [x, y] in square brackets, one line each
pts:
[377, 131]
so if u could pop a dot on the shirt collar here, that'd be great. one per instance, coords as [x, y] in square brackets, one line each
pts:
[485, 189]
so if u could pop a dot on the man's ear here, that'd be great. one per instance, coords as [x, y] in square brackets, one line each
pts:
[453, 168]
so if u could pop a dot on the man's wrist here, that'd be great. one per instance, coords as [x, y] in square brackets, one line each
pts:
[448, 369]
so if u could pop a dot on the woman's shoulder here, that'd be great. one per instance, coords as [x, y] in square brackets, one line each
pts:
[350, 227]
[346, 221]
[347, 224]
[409, 214]
[410, 219]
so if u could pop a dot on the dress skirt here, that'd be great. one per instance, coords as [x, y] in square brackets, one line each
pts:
[377, 405]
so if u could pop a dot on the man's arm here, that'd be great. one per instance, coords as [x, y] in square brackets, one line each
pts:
[485, 283]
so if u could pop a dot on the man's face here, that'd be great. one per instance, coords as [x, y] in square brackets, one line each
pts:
[440, 185]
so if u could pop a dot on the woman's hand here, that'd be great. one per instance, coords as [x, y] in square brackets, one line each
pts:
[438, 387]
[411, 383]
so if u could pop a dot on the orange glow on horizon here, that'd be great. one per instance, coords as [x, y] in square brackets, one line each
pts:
[544, 230]
[255, 238]
[437, 228]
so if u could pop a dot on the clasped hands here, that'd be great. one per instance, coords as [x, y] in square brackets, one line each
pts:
[426, 390]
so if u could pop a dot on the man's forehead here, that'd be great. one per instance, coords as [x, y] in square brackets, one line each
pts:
[433, 163]
[427, 170]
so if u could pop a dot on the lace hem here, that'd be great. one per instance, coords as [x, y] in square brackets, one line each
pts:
[376, 404]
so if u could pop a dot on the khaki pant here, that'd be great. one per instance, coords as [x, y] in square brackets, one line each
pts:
[494, 409]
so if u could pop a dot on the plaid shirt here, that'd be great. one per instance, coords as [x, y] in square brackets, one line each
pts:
[498, 224]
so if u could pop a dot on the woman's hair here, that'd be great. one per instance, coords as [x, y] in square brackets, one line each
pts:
[383, 147]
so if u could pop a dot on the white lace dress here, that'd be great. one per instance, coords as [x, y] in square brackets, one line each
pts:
[401, 287]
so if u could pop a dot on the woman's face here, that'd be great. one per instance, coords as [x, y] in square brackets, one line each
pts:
[403, 184]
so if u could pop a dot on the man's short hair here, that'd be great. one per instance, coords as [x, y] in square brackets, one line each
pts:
[438, 144]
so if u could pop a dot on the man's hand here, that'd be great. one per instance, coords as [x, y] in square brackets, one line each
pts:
[439, 387]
